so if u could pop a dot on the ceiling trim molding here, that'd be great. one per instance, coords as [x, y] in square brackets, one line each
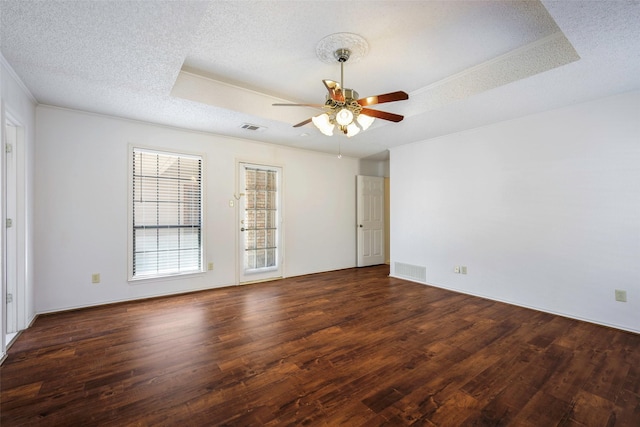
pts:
[5, 64]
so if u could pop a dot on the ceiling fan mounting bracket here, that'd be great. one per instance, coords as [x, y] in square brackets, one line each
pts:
[342, 55]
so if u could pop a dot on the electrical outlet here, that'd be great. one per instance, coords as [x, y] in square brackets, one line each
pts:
[456, 269]
[95, 278]
[621, 295]
[210, 266]
[463, 269]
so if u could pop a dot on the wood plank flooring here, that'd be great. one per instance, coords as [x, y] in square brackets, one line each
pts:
[345, 348]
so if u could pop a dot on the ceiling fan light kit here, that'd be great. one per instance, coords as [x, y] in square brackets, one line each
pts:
[323, 123]
[344, 117]
[344, 110]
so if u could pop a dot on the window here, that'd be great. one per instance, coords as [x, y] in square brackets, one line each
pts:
[166, 232]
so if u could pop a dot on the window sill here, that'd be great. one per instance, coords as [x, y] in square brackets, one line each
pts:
[165, 277]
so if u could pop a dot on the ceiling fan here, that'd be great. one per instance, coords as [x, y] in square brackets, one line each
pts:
[344, 109]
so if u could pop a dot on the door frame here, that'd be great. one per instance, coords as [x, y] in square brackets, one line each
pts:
[16, 240]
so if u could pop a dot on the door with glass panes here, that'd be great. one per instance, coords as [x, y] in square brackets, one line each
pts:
[260, 222]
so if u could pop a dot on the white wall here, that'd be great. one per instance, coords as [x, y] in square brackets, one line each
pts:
[374, 167]
[81, 213]
[543, 210]
[19, 105]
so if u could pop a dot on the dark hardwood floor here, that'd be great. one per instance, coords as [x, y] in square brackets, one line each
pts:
[345, 348]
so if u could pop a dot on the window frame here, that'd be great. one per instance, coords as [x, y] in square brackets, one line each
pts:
[133, 148]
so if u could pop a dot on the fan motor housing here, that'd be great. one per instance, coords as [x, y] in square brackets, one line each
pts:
[349, 94]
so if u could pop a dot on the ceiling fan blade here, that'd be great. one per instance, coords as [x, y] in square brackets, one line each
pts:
[299, 105]
[335, 92]
[381, 99]
[382, 115]
[302, 123]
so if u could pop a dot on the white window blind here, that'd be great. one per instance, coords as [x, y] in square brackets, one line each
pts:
[167, 214]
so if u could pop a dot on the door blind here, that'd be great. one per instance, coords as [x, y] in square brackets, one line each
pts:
[260, 219]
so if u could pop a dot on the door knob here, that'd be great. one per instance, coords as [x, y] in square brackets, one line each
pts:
[242, 229]
[360, 225]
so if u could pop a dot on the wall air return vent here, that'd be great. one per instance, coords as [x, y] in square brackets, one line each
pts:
[410, 272]
[255, 128]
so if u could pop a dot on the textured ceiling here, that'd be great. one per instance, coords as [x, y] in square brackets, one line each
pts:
[214, 65]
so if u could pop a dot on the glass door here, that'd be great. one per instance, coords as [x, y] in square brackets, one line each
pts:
[260, 222]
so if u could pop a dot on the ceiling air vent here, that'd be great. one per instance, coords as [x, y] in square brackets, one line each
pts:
[249, 126]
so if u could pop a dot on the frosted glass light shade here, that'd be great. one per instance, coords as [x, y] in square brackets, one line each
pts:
[352, 129]
[365, 121]
[323, 124]
[344, 117]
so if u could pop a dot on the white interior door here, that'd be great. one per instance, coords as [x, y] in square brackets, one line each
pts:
[10, 240]
[260, 228]
[370, 220]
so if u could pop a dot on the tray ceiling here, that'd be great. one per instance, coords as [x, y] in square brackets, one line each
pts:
[213, 66]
